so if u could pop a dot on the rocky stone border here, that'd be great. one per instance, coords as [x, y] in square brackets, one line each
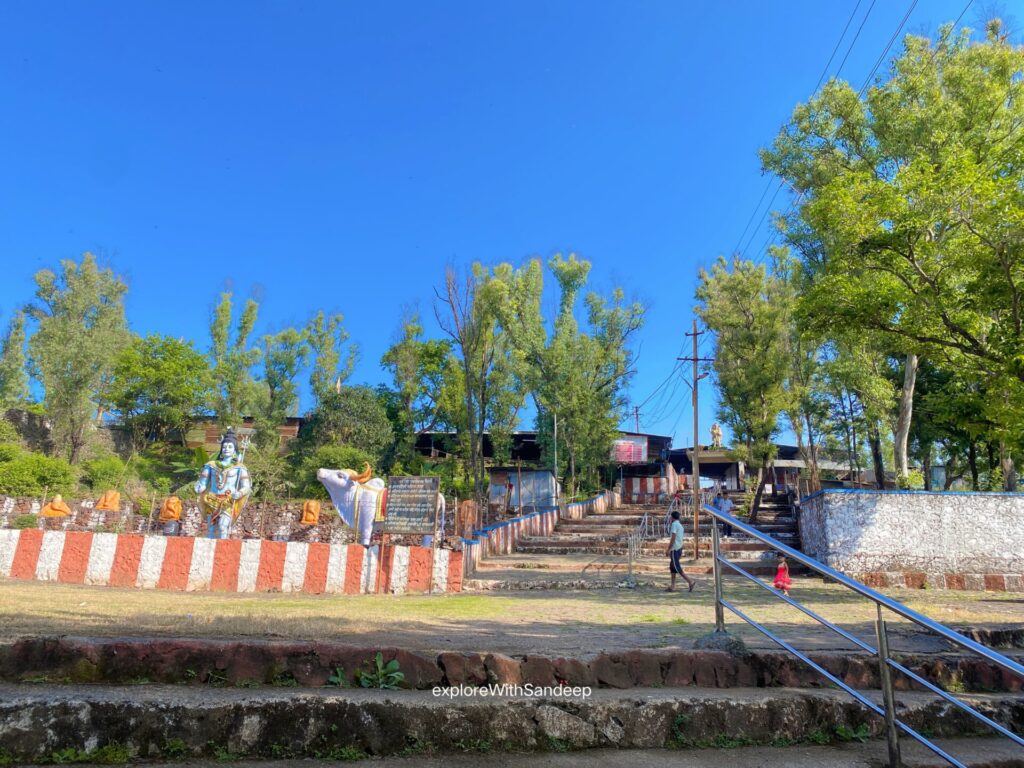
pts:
[225, 725]
[977, 582]
[312, 664]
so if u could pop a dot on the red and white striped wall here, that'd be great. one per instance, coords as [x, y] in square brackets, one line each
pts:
[643, 489]
[228, 565]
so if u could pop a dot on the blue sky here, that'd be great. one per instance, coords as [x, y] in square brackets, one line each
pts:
[338, 155]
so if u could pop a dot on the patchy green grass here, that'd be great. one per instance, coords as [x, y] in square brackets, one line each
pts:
[560, 621]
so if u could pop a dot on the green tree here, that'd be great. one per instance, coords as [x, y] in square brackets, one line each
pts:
[417, 369]
[13, 368]
[575, 373]
[748, 310]
[235, 390]
[353, 417]
[326, 336]
[487, 373]
[284, 355]
[80, 331]
[910, 220]
[160, 384]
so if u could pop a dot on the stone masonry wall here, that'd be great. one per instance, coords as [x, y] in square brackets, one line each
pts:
[917, 538]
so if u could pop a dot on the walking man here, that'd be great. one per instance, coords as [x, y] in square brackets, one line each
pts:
[675, 550]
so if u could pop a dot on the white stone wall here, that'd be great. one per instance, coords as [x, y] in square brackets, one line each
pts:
[857, 531]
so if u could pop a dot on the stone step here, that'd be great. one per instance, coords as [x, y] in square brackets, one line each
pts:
[972, 752]
[223, 724]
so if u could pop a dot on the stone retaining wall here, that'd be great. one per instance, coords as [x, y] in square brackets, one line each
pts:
[228, 565]
[918, 539]
[116, 661]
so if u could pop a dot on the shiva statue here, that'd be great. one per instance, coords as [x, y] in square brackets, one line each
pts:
[224, 487]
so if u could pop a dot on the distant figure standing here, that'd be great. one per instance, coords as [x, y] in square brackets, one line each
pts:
[716, 435]
[724, 505]
[675, 550]
[782, 580]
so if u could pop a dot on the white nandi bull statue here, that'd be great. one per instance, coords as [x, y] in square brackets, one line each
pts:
[361, 501]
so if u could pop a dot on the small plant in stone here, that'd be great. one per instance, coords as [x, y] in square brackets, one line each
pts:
[861, 733]
[381, 675]
[337, 678]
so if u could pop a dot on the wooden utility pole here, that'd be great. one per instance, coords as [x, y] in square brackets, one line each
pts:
[695, 461]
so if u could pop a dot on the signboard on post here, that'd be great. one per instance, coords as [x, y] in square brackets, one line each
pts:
[412, 505]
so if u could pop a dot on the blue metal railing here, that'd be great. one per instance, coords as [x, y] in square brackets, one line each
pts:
[894, 726]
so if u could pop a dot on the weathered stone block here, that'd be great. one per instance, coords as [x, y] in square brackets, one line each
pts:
[503, 669]
[611, 670]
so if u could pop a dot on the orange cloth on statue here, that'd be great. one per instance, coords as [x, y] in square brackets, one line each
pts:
[110, 501]
[56, 508]
[782, 580]
[170, 510]
[310, 512]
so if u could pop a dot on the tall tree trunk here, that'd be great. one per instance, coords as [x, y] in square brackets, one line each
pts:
[762, 478]
[812, 446]
[972, 462]
[1009, 470]
[902, 432]
[875, 439]
[926, 464]
[991, 450]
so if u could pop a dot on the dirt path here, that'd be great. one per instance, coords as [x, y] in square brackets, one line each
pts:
[587, 621]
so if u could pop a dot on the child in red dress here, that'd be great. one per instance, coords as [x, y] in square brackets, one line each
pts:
[782, 580]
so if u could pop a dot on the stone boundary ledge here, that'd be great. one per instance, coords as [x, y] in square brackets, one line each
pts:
[223, 725]
[225, 565]
[977, 582]
[312, 664]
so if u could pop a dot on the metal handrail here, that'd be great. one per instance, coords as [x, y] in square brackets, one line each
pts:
[893, 725]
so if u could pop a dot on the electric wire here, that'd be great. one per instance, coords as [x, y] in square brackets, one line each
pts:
[736, 249]
[885, 52]
[855, 37]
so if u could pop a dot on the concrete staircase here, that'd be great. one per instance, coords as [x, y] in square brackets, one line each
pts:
[602, 537]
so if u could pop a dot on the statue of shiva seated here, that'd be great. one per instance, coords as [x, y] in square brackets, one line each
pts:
[224, 487]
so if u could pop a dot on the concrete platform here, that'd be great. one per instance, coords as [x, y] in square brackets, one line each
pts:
[229, 724]
[976, 753]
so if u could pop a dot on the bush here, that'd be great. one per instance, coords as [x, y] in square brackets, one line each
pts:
[9, 452]
[913, 480]
[103, 473]
[332, 457]
[164, 467]
[272, 476]
[24, 521]
[30, 474]
[9, 433]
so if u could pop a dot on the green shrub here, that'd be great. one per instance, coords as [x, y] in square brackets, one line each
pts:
[332, 457]
[103, 473]
[9, 451]
[24, 521]
[30, 474]
[9, 433]
[381, 675]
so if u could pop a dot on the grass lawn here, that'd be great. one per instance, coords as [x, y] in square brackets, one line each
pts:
[542, 621]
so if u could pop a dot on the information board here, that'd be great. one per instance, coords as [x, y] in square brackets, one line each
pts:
[412, 505]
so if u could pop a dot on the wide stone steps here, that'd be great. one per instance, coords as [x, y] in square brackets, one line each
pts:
[227, 724]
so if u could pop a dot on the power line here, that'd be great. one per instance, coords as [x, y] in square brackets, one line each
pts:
[763, 215]
[753, 213]
[888, 45]
[854, 41]
[824, 71]
[838, 43]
